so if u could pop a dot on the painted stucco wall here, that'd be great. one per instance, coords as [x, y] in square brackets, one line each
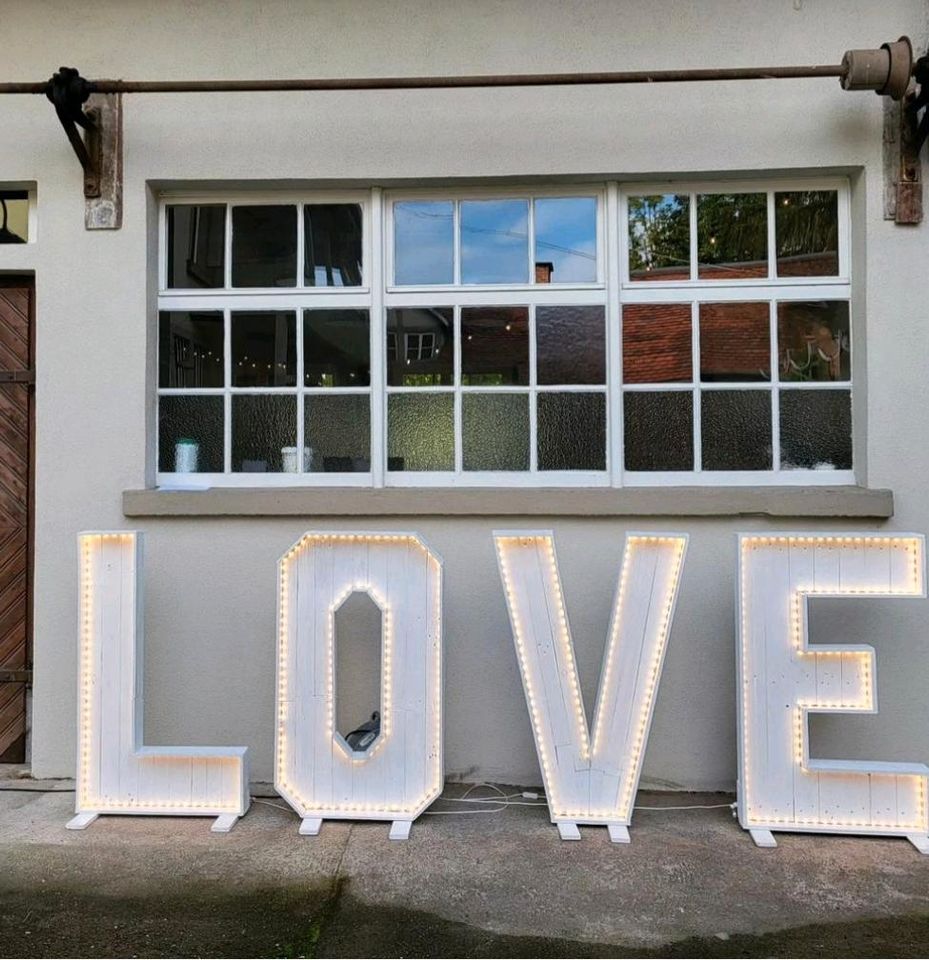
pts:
[210, 583]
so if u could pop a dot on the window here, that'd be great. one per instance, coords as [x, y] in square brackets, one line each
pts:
[574, 336]
[17, 211]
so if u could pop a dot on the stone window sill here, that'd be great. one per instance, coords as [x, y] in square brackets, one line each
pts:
[818, 502]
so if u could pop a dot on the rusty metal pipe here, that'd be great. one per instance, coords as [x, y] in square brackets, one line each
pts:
[451, 82]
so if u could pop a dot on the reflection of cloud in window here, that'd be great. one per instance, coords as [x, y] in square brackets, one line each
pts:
[494, 241]
[566, 236]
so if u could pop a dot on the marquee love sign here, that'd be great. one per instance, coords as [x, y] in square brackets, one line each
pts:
[591, 775]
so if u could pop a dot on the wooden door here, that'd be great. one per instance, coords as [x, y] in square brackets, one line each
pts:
[17, 379]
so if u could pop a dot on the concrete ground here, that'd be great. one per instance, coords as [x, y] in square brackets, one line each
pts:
[481, 884]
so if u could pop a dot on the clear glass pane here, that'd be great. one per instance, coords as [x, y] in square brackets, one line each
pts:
[420, 431]
[196, 245]
[495, 431]
[659, 237]
[190, 434]
[571, 431]
[732, 235]
[336, 348]
[332, 245]
[264, 351]
[816, 430]
[337, 433]
[190, 349]
[494, 241]
[570, 345]
[420, 346]
[14, 216]
[735, 342]
[494, 346]
[736, 429]
[807, 231]
[566, 240]
[659, 430]
[813, 340]
[264, 246]
[657, 343]
[424, 242]
[264, 433]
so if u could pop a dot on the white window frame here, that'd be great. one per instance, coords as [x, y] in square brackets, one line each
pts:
[611, 290]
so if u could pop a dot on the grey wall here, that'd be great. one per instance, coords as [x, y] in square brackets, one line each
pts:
[210, 582]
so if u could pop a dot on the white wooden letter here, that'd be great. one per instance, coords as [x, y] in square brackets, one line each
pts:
[783, 679]
[591, 778]
[115, 772]
[316, 771]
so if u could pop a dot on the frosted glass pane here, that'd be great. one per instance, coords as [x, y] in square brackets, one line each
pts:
[190, 349]
[196, 245]
[264, 246]
[494, 241]
[570, 345]
[571, 431]
[337, 348]
[657, 343]
[659, 237]
[494, 346]
[420, 347]
[190, 434]
[420, 431]
[495, 431]
[735, 342]
[732, 236]
[264, 428]
[813, 340]
[816, 430]
[332, 245]
[424, 242]
[807, 232]
[264, 349]
[566, 240]
[337, 433]
[736, 429]
[659, 431]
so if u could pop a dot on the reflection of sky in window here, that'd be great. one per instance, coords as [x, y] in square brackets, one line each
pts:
[494, 241]
[566, 237]
[424, 242]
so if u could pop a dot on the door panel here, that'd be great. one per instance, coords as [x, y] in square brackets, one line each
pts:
[16, 446]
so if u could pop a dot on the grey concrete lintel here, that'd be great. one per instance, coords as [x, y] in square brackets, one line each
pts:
[822, 502]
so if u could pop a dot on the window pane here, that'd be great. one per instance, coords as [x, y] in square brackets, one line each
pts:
[732, 235]
[14, 216]
[338, 433]
[736, 429]
[264, 246]
[336, 348]
[659, 430]
[264, 352]
[570, 344]
[420, 346]
[332, 245]
[190, 434]
[495, 431]
[494, 241]
[659, 237]
[735, 342]
[494, 346]
[424, 242]
[264, 433]
[657, 343]
[566, 240]
[420, 431]
[190, 349]
[572, 431]
[816, 430]
[196, 245]
[807, 230]
[813, 340]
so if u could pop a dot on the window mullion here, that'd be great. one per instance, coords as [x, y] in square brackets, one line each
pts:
[695, 375]
[227, 393]
[614, 336]
[378, 341]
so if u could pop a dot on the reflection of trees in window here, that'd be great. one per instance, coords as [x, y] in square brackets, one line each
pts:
[732, 228]
[807, 230]
[659, 236]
